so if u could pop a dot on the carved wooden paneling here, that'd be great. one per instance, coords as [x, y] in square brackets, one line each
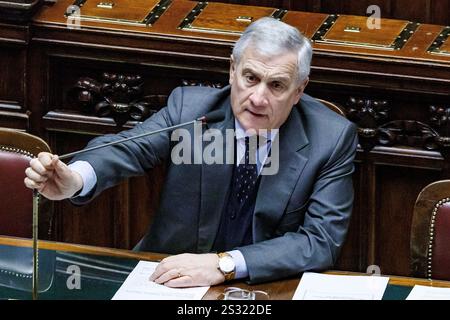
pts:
[413, 10]
[354, 245]
[13, 66]
[440, 13]
[396, 191]
[12, 82]
[143, 206]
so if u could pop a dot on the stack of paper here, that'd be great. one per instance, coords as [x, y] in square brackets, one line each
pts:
[137, 286]
[429, 293]
[317, 286]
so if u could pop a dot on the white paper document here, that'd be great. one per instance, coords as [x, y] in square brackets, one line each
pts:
[137, 286]
[317, 286]
[429, 293]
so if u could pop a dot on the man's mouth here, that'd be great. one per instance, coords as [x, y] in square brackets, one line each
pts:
[255, 114]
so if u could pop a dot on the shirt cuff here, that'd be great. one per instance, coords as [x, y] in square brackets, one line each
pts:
[87, 173]
[241, 265]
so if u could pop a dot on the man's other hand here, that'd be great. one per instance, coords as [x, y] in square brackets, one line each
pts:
[189, 270]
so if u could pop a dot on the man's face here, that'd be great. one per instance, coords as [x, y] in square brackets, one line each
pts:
[264, 89]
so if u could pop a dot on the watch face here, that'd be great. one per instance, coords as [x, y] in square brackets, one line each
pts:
[226, 264]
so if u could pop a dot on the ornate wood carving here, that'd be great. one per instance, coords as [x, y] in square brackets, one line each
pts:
[115, 95]
[408, 133]
[368, 115]
[371, 117]
[200, 83]
[440, 120]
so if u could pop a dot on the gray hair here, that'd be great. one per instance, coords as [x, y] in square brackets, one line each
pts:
[271, 37]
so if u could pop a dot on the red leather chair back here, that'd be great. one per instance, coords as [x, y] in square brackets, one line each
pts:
[430, 232]
[16, 208]
[440, 256]
[15, 199]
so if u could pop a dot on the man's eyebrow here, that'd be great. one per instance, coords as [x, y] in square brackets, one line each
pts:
[280, 78]
[249, 70]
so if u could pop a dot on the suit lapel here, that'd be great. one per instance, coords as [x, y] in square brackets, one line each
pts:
[215, 182]
[275, 190]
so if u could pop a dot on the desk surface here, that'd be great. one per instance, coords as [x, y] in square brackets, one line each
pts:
[103, 270]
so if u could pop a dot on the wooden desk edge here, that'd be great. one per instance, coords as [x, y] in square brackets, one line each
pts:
[79, 248]
[282, 289]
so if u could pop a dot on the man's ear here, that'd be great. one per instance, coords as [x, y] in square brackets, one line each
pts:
[232, 69]
[300, 90]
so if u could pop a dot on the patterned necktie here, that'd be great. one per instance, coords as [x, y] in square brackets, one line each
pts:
[247, 174]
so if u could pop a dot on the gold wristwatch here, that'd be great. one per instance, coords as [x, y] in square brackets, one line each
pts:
[226, 265]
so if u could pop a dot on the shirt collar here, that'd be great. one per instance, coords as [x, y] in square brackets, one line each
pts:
[241, 132]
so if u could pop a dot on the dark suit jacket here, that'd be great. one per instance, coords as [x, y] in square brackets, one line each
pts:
[301, 215]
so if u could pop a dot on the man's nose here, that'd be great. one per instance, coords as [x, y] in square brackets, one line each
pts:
[259, 95]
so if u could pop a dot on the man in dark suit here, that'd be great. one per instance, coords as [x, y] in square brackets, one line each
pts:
[264, 226]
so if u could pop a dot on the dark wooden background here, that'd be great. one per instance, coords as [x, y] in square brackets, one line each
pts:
[40, 64]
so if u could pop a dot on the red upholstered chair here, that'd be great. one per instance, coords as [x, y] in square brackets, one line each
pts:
[430, 232]
[16, 150]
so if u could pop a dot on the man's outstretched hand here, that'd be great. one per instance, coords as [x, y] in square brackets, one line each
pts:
[52, 177]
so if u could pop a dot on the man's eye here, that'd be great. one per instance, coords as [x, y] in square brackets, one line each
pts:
[250, 78]
[277, 85]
